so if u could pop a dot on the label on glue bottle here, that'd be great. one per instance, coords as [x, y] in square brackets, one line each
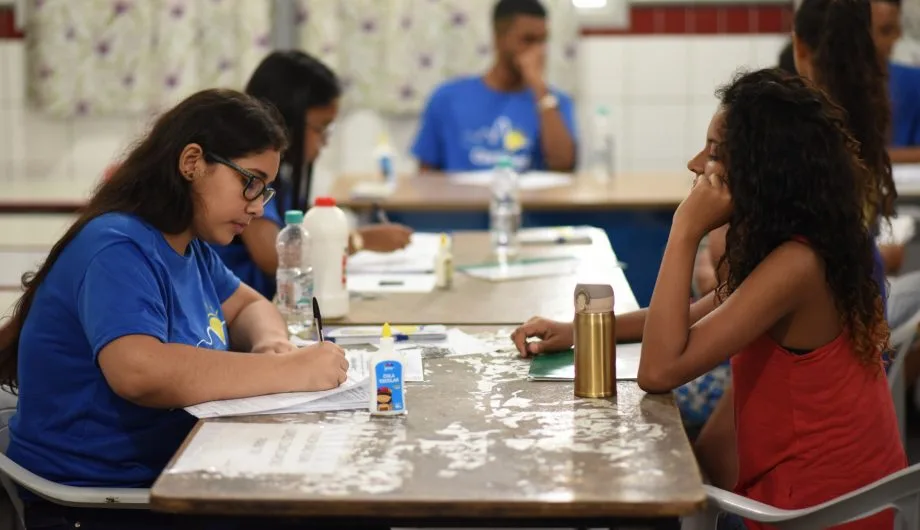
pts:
[388, 393]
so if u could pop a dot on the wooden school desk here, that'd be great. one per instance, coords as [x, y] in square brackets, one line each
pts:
[477, 301]
[480, 445]
[635, 211]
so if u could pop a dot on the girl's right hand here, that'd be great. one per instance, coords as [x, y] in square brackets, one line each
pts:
[320, 366]
[554, 336]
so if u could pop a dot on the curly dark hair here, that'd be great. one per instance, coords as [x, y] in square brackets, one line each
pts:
[847, 66]
[792, 171]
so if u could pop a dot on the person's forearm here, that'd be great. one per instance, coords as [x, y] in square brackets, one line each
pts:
[667, 324]
[258, 324]
[630, 325]
[157, 375]
[904, 155]
[555, 141]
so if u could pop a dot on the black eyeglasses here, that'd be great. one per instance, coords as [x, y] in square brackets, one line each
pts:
[255, 185]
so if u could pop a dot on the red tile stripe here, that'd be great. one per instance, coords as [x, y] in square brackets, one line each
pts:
[704, 20]
[644, 20]
[7, 26]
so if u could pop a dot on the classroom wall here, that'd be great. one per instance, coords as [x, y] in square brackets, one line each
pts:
[659, 88]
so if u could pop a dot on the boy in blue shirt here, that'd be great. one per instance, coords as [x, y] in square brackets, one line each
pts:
[471, 122]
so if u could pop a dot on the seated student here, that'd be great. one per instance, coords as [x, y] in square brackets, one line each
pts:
[799, 313]
[306, 92]
[472, 122]
[903, 85]
[133, 317]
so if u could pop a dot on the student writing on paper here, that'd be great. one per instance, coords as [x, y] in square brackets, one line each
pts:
[798, 313]
[133, 317]
[470, 123]
[306, 92]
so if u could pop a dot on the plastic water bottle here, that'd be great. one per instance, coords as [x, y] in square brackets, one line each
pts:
[601, 159]
[504, 209]
[294, 277]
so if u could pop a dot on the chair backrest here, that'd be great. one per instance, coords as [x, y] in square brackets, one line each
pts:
[13, 475]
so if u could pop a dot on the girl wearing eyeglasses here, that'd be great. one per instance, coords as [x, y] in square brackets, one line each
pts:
[133, 316]
[306, 92]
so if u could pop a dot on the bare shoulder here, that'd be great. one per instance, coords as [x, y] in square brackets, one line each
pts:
[794, 262]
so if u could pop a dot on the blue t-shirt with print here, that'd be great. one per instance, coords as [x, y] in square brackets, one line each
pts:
[904, 88]
[117, 277]
[469, 126]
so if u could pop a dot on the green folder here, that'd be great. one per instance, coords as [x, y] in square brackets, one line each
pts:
[553, 367]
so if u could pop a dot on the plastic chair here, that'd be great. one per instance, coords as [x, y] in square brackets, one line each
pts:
[13, 476]
[900, 491]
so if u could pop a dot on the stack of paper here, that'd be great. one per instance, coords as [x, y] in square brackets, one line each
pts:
[409, 270]
[352, 394]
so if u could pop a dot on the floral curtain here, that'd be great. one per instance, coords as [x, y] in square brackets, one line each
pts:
[125, 57]
[391, 54]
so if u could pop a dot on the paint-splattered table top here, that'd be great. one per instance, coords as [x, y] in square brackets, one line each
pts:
[479, 441]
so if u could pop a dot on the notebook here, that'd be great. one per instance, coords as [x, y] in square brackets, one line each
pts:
[561, 366]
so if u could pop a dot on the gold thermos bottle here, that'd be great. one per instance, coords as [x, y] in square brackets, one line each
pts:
[595, 345]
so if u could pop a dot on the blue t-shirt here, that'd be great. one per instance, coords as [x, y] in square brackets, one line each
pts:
[904, 87]
[469, 126]
[117, 277]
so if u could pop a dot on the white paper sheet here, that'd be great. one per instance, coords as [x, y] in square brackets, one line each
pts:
[462, 343]
[628, 361]
[390, 283]
[532, 180]
[413, 372]
[352, 394]
[517, 270]
[268, 403]
[906, 173]
[266, 448]
[558, 235]
[417, 257]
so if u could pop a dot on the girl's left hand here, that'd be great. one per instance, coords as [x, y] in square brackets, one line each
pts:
[708, 206]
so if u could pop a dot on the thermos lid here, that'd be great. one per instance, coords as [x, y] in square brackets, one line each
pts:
[593, 298]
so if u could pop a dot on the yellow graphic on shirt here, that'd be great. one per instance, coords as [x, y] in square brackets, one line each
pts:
[215, 329]
[514, 140]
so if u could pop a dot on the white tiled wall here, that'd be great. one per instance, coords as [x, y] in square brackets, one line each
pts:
[660, 91]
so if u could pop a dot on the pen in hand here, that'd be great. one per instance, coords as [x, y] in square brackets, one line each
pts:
[318, 320]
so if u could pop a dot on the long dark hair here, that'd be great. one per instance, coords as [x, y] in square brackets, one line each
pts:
[848, 68]
[793, 171]
[294, 82]
[148, 183]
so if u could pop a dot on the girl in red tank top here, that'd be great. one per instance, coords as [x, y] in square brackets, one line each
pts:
[798, 314]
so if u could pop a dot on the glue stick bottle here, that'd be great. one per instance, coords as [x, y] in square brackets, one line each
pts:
[387, 387]
[444, 264]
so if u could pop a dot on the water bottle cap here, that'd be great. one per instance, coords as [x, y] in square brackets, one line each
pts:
[293, 217]
[602, 110]
[504, 162]
[324, 201]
